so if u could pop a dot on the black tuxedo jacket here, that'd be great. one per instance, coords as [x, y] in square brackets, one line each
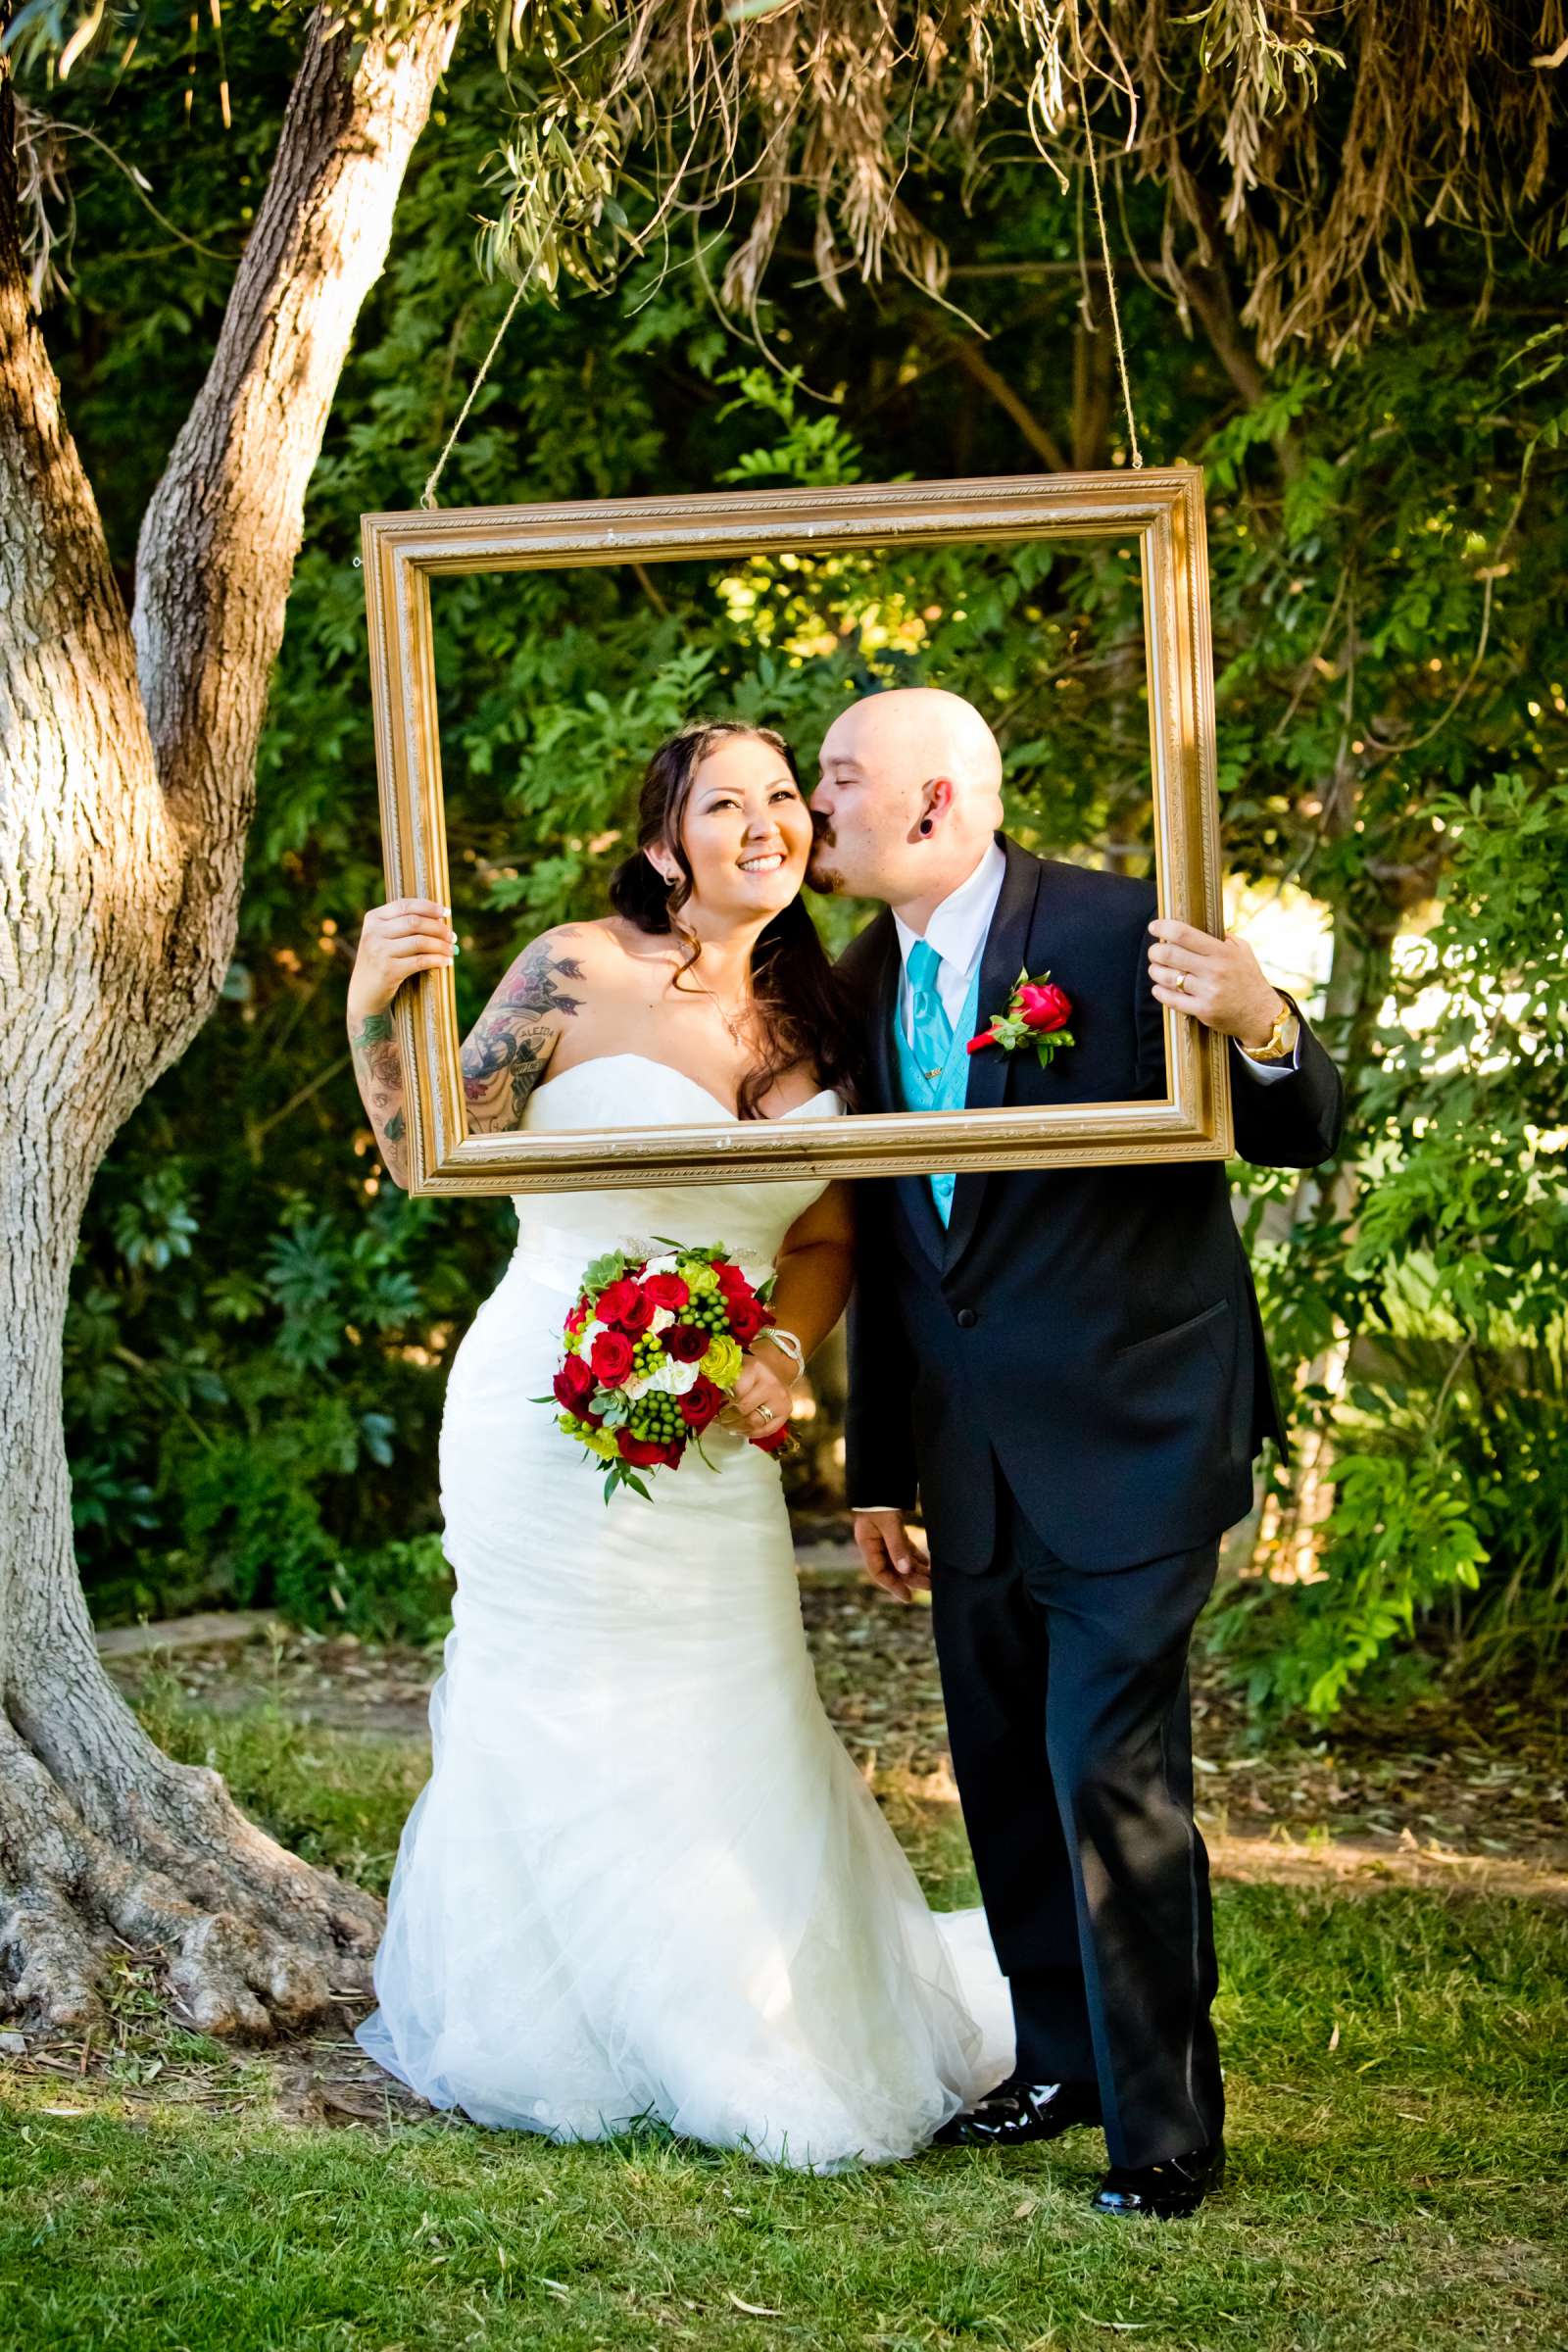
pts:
[1095, 1330]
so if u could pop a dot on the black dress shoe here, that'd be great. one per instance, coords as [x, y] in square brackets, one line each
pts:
[1166, 2192]
[1018, 2112]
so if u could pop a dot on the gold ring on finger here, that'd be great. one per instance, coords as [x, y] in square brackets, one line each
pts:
[1180, 983]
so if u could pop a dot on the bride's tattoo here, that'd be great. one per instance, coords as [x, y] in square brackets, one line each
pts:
[505, 1056]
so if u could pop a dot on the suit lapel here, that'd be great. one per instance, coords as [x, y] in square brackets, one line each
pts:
[1003, 956]
[881, 1000]
[914, 1191]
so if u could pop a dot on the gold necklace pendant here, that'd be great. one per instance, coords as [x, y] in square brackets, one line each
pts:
[733, 1022]
[733, 1025]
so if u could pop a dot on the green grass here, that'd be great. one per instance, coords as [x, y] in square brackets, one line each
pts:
[336, 1798]
[1396, 2076]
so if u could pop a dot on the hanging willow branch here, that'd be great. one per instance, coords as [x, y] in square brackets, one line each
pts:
[1314, 148]
[1309, 147]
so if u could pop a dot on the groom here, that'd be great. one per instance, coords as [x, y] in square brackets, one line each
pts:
[1068, 1368]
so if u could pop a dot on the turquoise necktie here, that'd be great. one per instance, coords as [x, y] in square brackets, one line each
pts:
[932, 1031]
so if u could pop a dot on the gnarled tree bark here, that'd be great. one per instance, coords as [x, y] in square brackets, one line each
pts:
[129, 750]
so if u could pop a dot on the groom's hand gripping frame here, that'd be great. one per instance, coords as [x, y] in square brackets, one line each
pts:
[1216, 981]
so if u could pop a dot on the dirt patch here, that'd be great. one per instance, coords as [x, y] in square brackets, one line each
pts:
[1358, 1866]
[1441, 1793]
[328, 2079]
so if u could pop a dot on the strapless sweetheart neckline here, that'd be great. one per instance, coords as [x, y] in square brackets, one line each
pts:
[598, 1062]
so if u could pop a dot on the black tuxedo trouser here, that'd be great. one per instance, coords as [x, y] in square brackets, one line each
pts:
[1067, 1709]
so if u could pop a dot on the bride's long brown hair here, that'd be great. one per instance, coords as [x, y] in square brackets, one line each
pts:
[803, 1013]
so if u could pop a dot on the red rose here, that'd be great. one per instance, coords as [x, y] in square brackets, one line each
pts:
[731, 1281]
[703, 1402]
[774, 1439]
[746, 1317]
[573, 1383]
[626, 1304]
[687, 1343]
[1046, 1006]
[667, 1290]
[611, 1358]
[648, 1453]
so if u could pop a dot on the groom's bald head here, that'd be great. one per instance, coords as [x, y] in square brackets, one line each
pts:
[910, 797]
[920, 729]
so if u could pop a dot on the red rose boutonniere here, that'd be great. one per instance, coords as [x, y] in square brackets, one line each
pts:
[1038, 1012]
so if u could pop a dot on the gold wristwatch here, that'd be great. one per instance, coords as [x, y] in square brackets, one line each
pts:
[1280, 1043]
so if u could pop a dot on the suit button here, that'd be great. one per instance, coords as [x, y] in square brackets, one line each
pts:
[967, 1318]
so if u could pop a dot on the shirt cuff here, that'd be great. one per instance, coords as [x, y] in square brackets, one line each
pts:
[1273, 1069]
[1278, 1069]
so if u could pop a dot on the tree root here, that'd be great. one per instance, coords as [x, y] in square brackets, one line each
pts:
[251, 1940]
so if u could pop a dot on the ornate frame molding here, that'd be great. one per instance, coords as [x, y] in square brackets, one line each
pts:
[1162, 505]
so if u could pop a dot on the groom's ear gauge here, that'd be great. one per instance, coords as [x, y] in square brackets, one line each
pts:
[939, 795]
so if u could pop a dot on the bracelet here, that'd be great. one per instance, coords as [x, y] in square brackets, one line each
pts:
[787, 1343]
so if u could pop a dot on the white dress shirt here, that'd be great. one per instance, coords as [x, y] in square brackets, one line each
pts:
[958, 932]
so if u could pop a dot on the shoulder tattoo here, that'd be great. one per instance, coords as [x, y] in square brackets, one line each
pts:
[504, 1055]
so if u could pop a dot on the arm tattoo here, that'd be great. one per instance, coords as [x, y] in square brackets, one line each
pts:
[378, 1074]
[505, 1054]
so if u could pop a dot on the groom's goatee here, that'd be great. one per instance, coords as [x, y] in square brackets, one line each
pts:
[820, 876]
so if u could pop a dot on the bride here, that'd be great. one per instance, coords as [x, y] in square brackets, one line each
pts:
[643, 1878]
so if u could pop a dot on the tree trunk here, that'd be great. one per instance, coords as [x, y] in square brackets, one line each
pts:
[1289, 1533]
[127, 789]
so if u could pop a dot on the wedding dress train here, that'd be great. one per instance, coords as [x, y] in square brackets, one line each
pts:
[644, 1879]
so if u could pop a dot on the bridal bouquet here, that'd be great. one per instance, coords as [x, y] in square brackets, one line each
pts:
[653, 1353]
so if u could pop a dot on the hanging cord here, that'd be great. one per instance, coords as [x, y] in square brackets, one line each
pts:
[1110, 290]
[1077, 72]
[428, 496]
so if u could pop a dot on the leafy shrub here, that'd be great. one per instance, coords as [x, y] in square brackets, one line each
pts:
[1449, 1470]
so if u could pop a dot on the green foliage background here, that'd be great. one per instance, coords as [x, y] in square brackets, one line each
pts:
[258, 1337]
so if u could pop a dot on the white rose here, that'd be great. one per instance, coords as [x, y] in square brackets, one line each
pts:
[662, 1319]
[671, 1379]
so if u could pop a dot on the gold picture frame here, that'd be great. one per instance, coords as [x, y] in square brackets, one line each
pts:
[1162, 505]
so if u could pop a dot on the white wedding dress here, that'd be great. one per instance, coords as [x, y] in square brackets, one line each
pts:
[643, 1878]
